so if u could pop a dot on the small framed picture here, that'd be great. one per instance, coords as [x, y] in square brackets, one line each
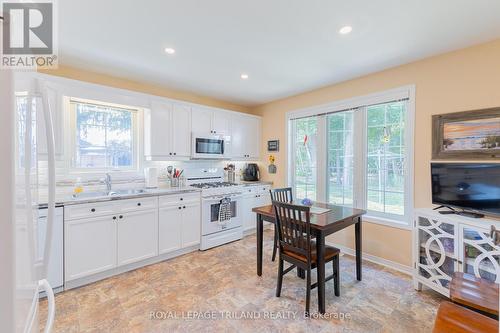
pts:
[273, 145]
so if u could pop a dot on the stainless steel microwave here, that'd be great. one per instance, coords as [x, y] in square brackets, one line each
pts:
[207, 146]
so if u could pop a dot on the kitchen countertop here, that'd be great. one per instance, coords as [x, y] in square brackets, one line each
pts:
[254, 183]
[70, 200]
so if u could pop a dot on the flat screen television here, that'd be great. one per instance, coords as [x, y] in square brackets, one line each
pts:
[473, 187]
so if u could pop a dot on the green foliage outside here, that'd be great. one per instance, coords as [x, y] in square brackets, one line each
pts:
[385, 157]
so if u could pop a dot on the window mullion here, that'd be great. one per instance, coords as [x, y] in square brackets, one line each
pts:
[360, 153]
[322, 157]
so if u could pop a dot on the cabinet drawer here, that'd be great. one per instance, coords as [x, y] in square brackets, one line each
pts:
[129, 205]
[88, 210]
[249, 190]
[264, 188]
[166, 200]
[258, 189]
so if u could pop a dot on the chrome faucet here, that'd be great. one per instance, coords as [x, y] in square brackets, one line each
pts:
[107, 181]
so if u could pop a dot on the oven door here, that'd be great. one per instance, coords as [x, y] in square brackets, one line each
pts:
[210, 215]
[207, 147]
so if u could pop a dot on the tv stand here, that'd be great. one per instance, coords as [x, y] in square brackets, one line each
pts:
[444, 244]
[461, 213]
[470, 214]
[445, 212]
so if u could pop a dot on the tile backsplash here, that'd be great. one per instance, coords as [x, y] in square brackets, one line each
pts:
[65, 180]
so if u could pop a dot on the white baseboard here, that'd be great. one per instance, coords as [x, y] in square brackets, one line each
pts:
[377, 260]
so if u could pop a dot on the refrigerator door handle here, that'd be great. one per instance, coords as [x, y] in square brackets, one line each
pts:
[51, 312]
[49, 132]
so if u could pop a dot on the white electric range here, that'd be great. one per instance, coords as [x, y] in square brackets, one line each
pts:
[213, 190]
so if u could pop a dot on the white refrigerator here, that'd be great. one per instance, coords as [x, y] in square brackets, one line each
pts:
[22, 271]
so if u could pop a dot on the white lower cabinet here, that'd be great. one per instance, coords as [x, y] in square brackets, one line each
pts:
[90, 246]
[169, 228]
[105, 236]
[137, 236]
[247, 203]
[254, 196]
[191, 233]
[121, 236]
[179, 225]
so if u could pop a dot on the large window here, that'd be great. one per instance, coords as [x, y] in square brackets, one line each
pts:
[104, 136]
[340, 158]
[358, 157]
[386, 157]
[305, 143]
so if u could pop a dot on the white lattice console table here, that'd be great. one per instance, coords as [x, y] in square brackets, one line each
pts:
[444, 244]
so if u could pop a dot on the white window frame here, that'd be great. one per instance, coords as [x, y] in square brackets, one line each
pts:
[360, 187]
[136, 134]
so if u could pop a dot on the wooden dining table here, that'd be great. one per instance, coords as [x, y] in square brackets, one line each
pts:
[322, 225]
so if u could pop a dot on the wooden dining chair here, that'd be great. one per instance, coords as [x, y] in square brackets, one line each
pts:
[297, 248]
[281, 195]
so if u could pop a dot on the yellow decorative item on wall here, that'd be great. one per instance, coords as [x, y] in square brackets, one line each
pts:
[272, 167]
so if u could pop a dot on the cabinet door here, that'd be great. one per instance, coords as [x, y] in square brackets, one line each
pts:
[157, 130]
[181, 130]
[169, 228]
[437, 253]
[247, 203]
[221, 122]
[253, 137]
[137, 236]
[478, 254]
[201, 120]
[238, 137]
[90, 246]
[191, 224]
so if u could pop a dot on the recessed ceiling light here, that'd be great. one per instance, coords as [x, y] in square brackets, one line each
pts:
[169, 50]
[345, 30]
[244, 76]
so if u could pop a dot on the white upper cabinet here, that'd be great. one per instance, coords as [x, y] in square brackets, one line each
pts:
[181, 130]
[221, 123]
[167, 131]
[210, 121]
[245, 138]
[201, 122]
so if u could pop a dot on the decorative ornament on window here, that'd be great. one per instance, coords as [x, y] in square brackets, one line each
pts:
[386, 137]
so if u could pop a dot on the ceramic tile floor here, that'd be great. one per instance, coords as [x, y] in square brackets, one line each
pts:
[214, 290]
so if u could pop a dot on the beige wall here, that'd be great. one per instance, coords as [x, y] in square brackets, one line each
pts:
[116, 82]
[463, 80]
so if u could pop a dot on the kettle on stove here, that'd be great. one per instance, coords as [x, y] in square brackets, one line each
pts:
[251, 172]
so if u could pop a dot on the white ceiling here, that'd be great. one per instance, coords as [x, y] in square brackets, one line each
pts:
[286, 46]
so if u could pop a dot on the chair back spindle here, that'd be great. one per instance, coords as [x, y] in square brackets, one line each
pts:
[282, 194]
[294, 228]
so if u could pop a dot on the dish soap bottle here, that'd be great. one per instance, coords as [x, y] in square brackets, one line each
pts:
[78, 187]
